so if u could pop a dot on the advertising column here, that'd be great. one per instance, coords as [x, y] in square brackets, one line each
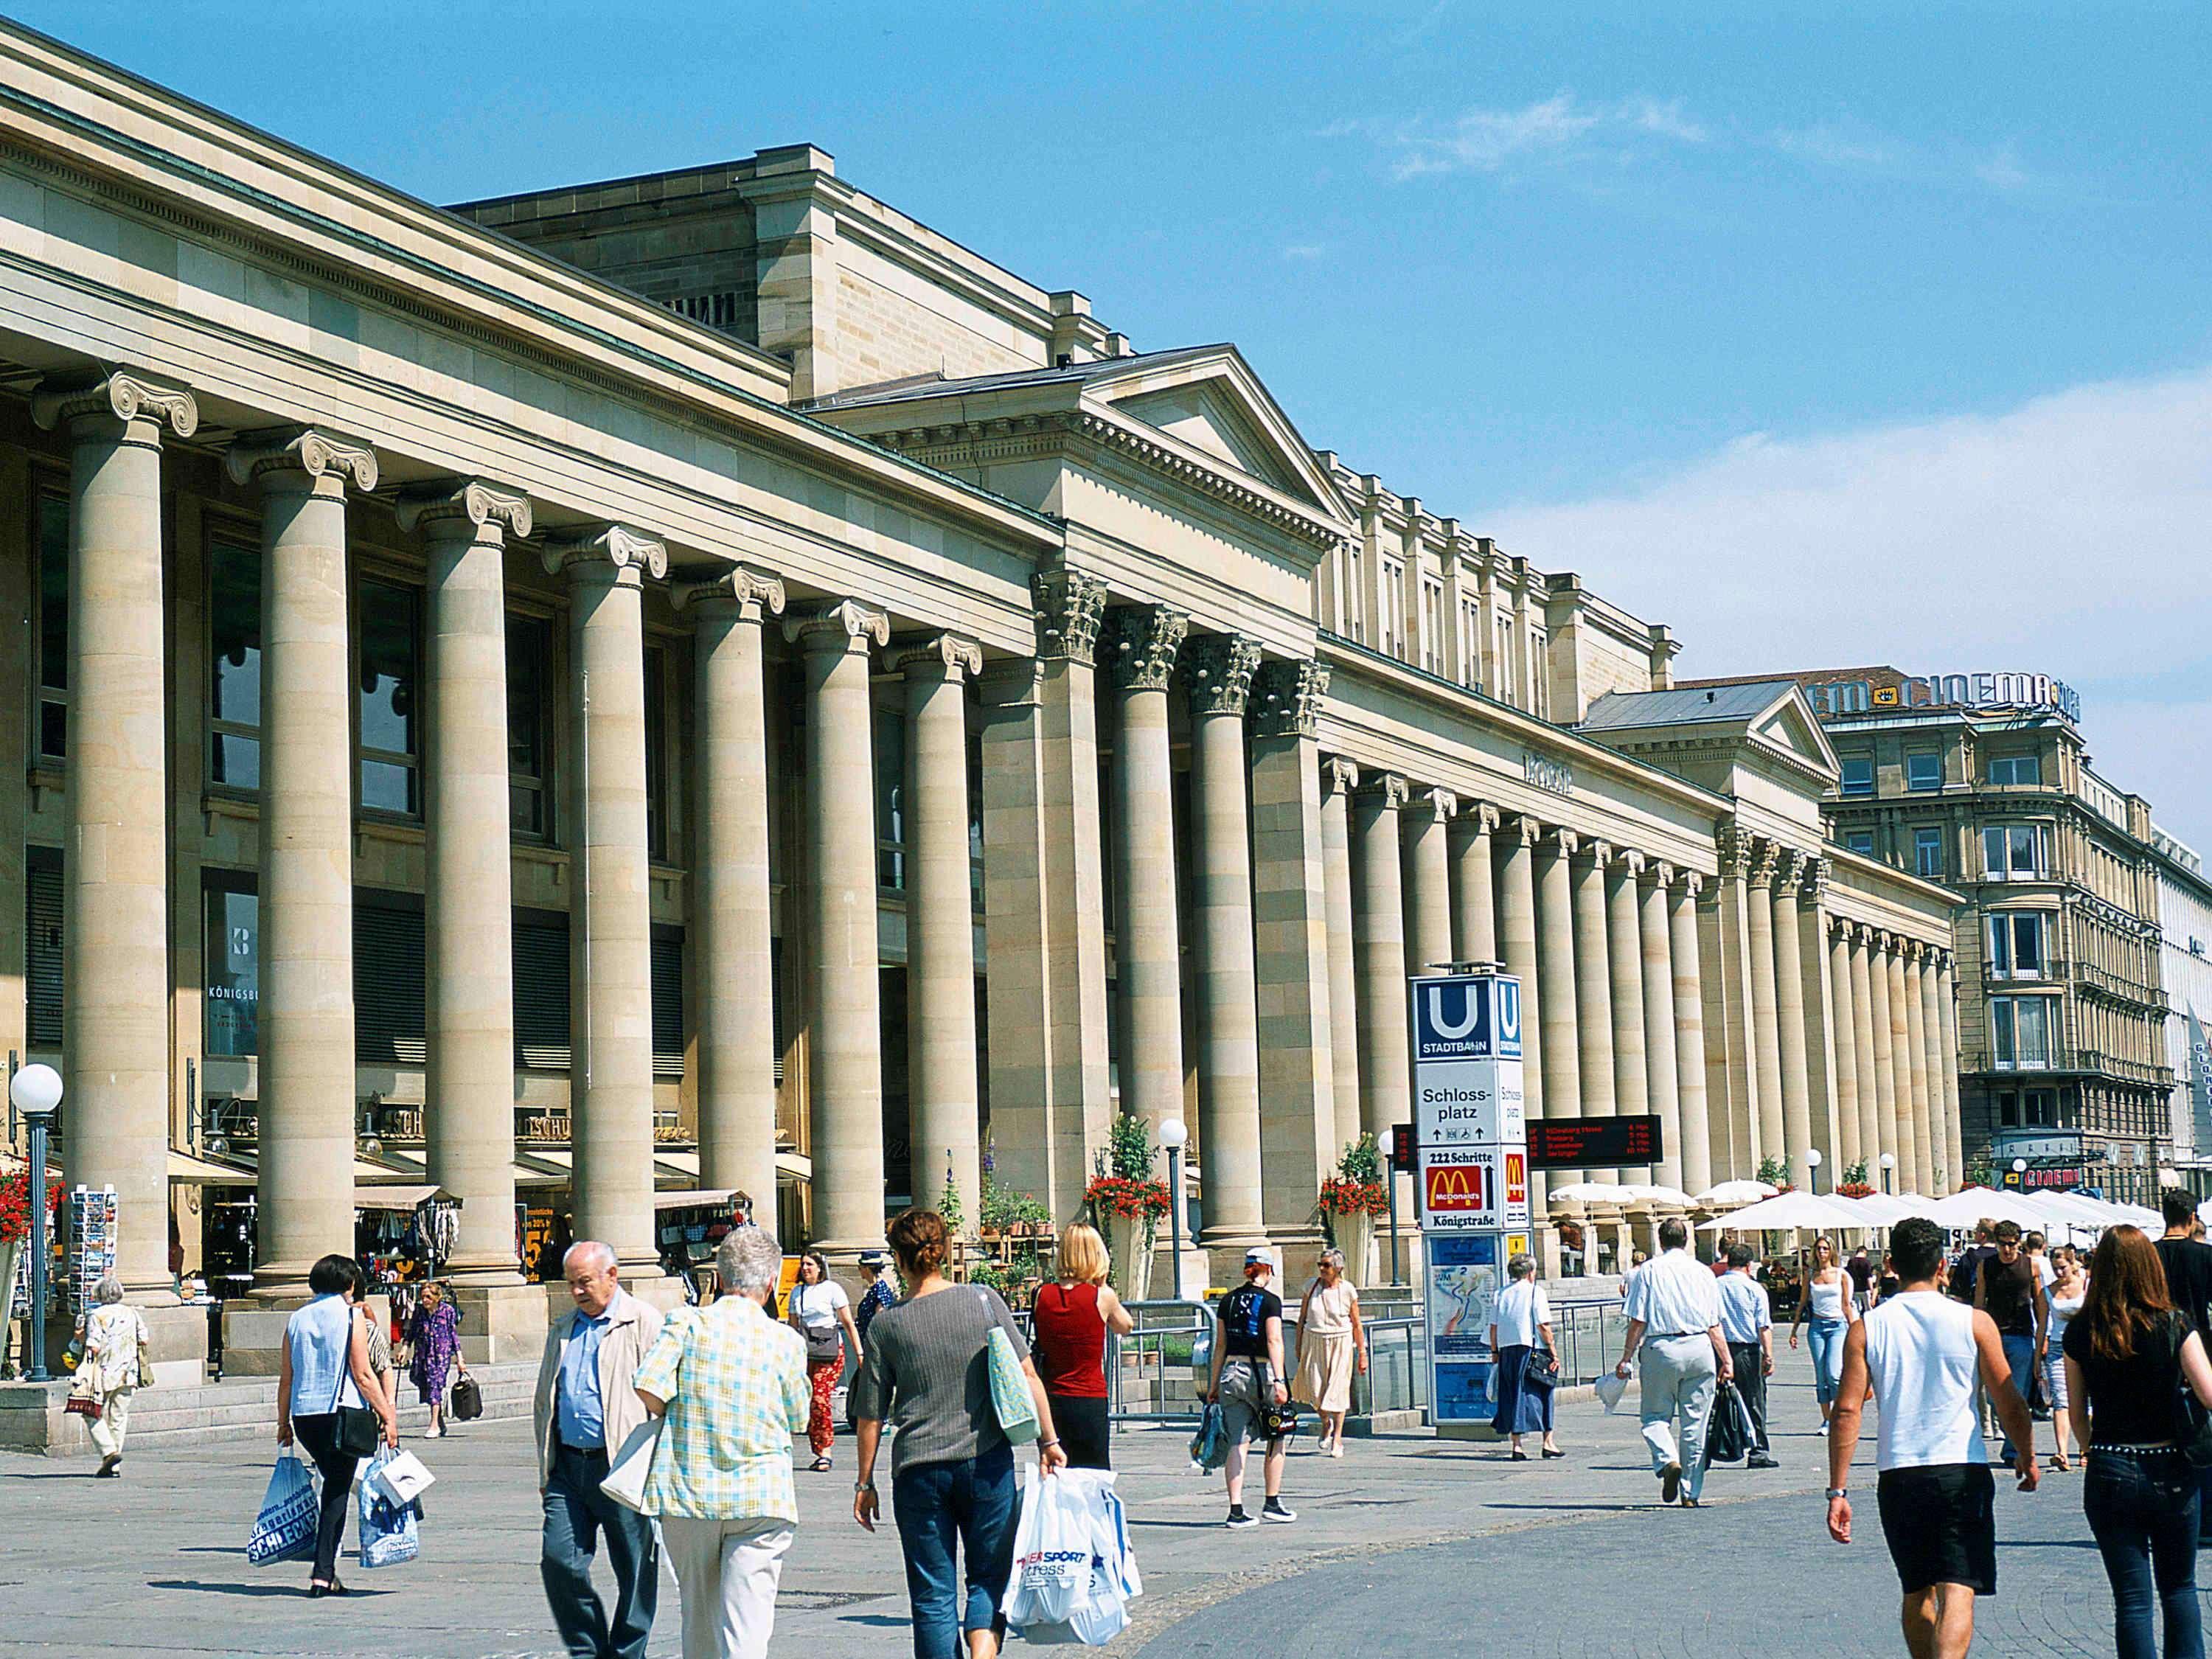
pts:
[1472, 1175]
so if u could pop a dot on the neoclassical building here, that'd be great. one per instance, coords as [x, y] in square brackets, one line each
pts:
[703, 681]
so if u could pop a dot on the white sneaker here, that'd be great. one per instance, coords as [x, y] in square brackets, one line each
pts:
[1336, 1448]
[433, 1432]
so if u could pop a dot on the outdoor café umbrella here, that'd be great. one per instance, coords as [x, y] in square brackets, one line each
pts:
[1736, 1192]
[1640, 1192]
[1887, 1209]
[1790, 1211]
[1587, 1192]
[1962, 1210]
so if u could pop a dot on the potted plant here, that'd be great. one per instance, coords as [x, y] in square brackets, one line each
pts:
[15, 1231]
[1351, 1200]
[1774, 1172]
[1855, 1183]
[1125, 1203]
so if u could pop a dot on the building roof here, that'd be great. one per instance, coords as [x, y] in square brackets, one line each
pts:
[937, 386]
[1731, 702]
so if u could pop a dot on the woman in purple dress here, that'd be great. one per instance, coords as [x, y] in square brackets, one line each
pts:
[434, 1334]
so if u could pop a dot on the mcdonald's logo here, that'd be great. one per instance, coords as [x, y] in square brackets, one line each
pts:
[1460, 1187]
[1516, 1179]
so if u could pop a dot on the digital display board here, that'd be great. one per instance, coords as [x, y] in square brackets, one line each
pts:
[1582, 1143]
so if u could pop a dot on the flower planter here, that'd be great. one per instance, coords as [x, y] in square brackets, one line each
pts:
[1354, 1235]
[1129, 1242]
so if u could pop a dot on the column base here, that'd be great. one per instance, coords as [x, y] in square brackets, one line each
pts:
[1196, 1273]
[1224, 1250]
[253, 1330]
[177, 1335]
[502, 1323]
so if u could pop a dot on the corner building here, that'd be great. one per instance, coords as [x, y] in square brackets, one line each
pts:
[704, 682]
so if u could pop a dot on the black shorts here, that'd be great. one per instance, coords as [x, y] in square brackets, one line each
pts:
[1086, 1431]
[1940, 1522]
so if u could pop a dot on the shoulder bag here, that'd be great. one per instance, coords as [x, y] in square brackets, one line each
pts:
[1541, 1371]
[144, 1353]
[358, 1429]
[1010, 1385]
[2192, 1423]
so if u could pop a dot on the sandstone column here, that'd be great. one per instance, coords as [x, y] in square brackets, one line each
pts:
[945, 1118]
[610, 916]
[1475, 914]
[1554, 1015]
[1872, 1145]
[1789, 1017]
[1143, 645]
[1219, 669]
[1632, 1095]
[1765, 1018]
[1662, 1066]
[1947, 1008]
[307, 1067]
[1339, 779]
[1516, 949]
[1594, 989]
[115, 970]
[1910, 1141]
[1044, 898]
[845, 1037]
[1690, 1033]
[1915, 1054]
[1846, 1026]
[1891, 1102]
[1292, 946]
[1378, 917]
[1732, 1093]
[732, 932]
[1944, 1174]
[468, 910]
[1426, 825]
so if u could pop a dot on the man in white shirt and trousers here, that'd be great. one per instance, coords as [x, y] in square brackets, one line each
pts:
[1674, 1312]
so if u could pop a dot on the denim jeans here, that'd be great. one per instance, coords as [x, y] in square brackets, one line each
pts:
[2143, 1507]
[575, 1515]
[2020, 1356]
[1826, 1338]
[969, 1504]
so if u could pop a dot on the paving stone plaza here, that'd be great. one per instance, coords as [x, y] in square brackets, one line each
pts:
[1406, 1546]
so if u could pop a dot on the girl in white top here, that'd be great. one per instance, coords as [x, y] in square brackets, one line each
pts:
[2068, 1288]
[1833, 1307]
[818, 1306]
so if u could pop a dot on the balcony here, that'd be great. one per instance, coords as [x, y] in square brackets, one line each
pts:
[2111, 985]
[2129, 1070]
[2048, 973]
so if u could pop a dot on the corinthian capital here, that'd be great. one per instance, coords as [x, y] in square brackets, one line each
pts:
[1812, 877]
[1736, 846]
[303, 449]
[1217, 668]
[616, 545]
[123, 399]
[1069, 607]
[1764, 857]
[943, 656]
[752, 594]
[848, 625]
[1286, 698]
[464, 509]
[1142, 643]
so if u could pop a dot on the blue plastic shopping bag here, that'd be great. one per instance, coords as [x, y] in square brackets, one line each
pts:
[388, 1535]
[285, 1528]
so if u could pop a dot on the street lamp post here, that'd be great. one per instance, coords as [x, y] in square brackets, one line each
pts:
[1888, 1161]
[2019, 1169]
[1813, 1163]
[36, 1090]
[1173, 1134]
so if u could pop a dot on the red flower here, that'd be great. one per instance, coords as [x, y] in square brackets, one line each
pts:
[1128, 1199]
[1340, 1196]
[15, 1206]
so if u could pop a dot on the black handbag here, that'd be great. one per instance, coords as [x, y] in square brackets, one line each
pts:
[2192, 1423]
[468, 1400]
[1541, 1371]
[358, 1431]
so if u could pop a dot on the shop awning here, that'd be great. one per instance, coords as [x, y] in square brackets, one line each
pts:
[397, 1197]
[696, 1199]
[188, 1170]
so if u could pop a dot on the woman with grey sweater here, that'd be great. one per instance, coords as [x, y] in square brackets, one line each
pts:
[928, 1372]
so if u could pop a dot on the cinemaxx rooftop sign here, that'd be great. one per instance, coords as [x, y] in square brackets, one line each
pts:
[2035, 692]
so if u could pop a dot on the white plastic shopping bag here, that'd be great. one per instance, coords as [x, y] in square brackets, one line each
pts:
[1611, 1389]
[1053, 1547]
[403, 1477]
[388, 1535]
[1100, 1611]
[285, 1528]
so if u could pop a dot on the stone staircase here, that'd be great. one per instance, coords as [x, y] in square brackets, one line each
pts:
[31, 1418]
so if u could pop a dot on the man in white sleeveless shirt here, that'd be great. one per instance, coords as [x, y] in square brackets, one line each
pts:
[1918, 1355]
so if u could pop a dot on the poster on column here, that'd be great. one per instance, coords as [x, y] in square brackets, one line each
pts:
[1465, 1271]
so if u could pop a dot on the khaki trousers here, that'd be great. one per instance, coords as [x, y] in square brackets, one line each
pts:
[113, 1422]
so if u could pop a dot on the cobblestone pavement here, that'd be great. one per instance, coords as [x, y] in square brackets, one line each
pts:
[1405, 1546]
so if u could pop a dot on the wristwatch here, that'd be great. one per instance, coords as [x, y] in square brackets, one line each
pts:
[1834, 1492]
[860, 1486]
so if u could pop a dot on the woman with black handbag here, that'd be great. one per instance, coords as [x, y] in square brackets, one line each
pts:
[1526, 1373]
[327, 1395]
[823, 1314]
[2137, 1387]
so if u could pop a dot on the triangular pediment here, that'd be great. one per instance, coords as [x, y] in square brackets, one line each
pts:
[1790, 724]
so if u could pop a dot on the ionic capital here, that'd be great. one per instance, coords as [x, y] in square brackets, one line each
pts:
[136, 406]
[1388, 790]
[1431, 801]
[1599, 853]
[1286, 698]
[1563, 840]
[1529, 831]
[1217, 670]
[846, 626]
[1479, 817]
[940, 657]
[1141, 644]
[1632, 864]
[632, 554]
[464, 509]
[1069, 607]
[1691, 882]
[1659, 873]
[1338, 775]
[753, 594]
[317, 455]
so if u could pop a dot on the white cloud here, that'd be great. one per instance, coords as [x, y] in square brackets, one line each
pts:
[1484, 140]
[1305, 251]
[2066, 537]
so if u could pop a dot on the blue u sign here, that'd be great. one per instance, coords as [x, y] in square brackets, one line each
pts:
[1467, 1018]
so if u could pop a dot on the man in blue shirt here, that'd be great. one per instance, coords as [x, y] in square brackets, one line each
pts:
[1748, 1322]
[586, 1407]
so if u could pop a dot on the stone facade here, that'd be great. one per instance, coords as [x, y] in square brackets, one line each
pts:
[1023, 729]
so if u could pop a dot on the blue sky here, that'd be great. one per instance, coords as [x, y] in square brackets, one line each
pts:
[1824, 339]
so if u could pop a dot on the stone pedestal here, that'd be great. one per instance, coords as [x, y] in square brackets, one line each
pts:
[505, 1324]
[254, 1331]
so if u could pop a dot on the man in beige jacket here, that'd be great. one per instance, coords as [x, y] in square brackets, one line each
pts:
[586, 1407]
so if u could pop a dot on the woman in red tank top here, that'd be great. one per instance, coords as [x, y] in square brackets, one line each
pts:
[1068, 1323]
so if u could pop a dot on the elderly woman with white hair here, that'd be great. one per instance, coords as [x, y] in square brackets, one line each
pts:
[112, 1370]
[730, 1386]
[1331, 1342]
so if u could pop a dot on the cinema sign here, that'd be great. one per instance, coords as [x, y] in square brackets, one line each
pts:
[2037, 692]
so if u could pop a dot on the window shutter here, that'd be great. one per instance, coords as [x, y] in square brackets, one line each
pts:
[668, 1003]
[541, 990]
[42, 955]
[391, 1021]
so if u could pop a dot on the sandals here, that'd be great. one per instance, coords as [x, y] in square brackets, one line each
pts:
[820, 1465]
[2061, 1465]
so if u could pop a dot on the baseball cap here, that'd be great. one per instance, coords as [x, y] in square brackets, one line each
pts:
[1259, 1253]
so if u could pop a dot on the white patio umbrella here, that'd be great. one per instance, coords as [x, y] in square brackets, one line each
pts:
[1640, 1192]
[1789, 1212]
[1963, 1210]
[2151, 1221]
[1736, 1192]
[2204, 1212]
[2071, 1212]
[1887, 1209]
[1586, 1192]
